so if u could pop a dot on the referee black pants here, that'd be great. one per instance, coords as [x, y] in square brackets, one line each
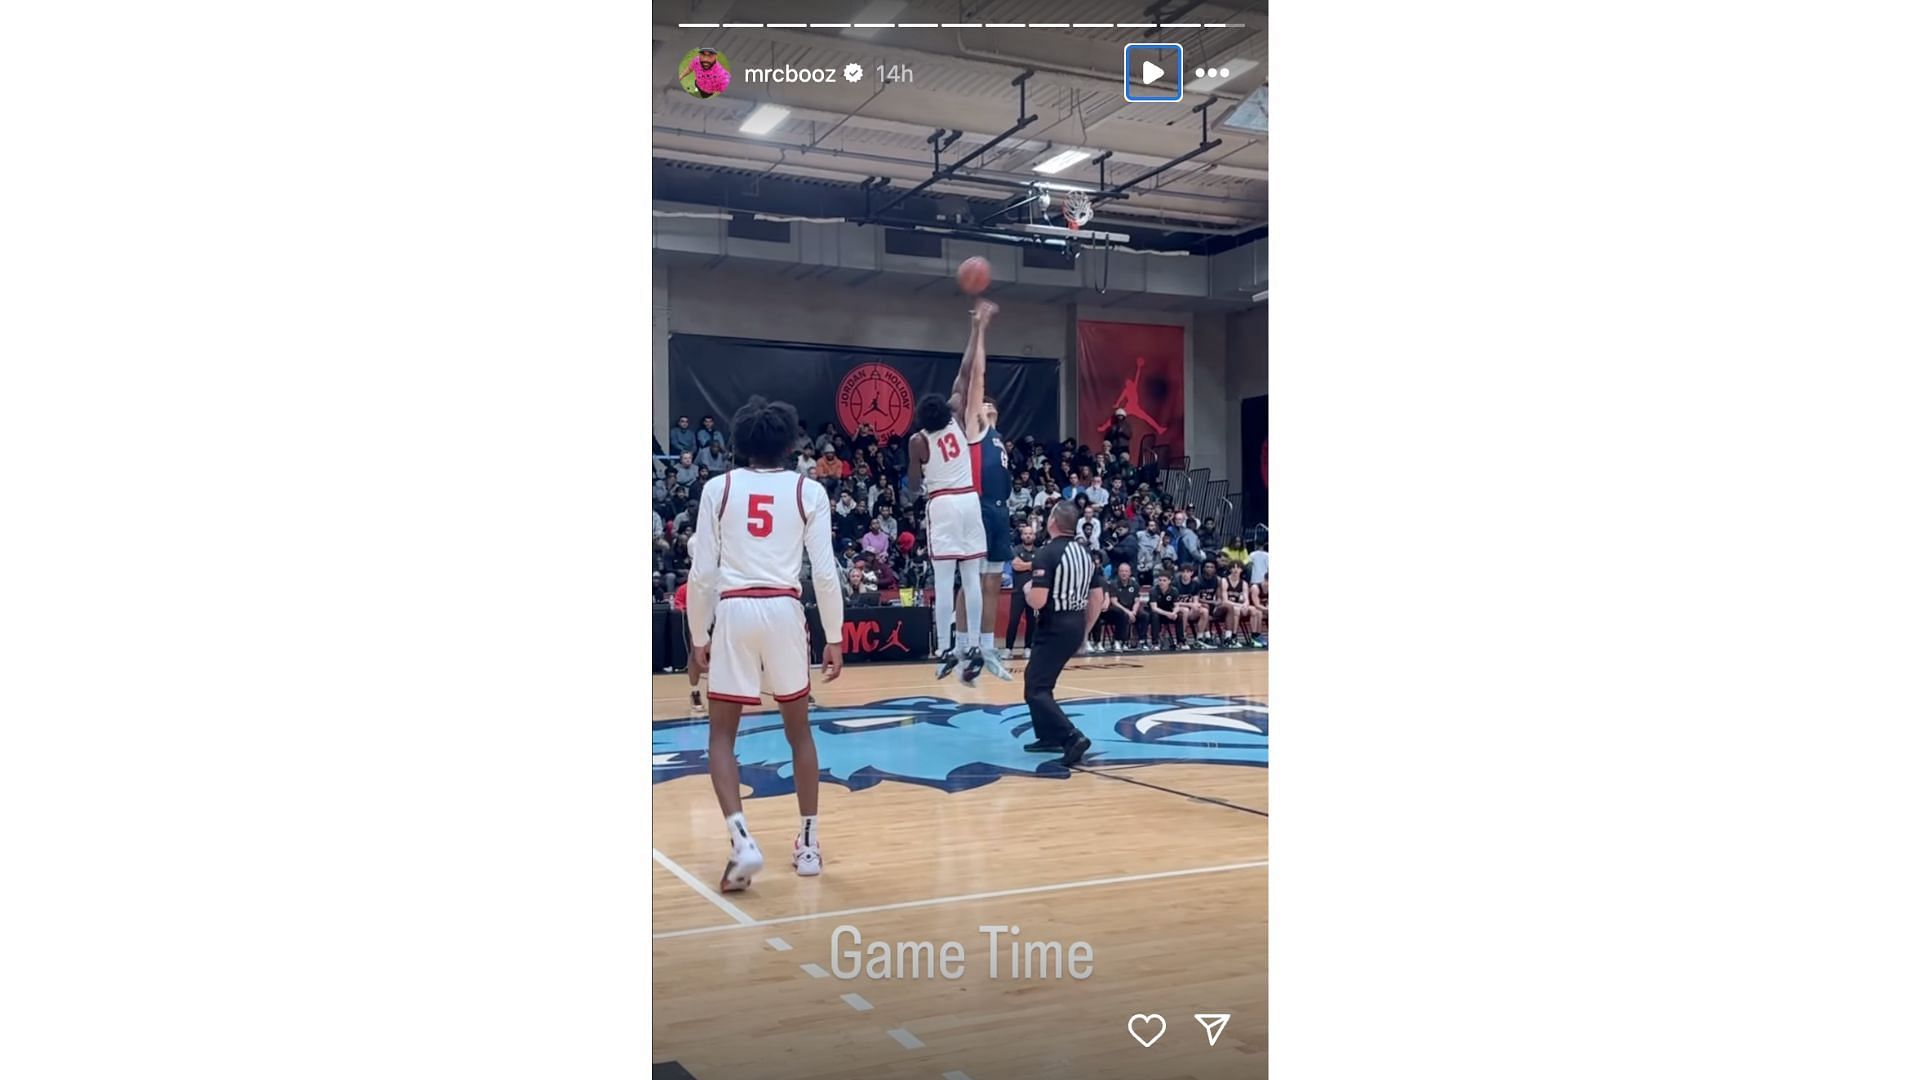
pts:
[1053, 646]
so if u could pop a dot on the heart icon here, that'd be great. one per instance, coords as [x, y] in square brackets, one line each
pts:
[1145, 1022]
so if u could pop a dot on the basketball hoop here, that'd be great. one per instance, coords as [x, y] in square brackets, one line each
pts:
[1077, 208]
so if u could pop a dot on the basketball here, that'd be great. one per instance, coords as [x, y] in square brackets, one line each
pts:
[974, 276]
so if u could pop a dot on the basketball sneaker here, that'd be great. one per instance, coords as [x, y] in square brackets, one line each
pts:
[699, 703]
[745, 862]
[997, 668]
[971, 673]
[948, 661]
[806, 860]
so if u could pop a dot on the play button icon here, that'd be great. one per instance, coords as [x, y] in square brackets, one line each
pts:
[1153, 72]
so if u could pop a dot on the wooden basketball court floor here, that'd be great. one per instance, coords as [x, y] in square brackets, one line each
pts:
[933, 824]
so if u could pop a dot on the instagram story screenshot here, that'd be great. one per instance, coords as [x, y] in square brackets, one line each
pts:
[960, 549]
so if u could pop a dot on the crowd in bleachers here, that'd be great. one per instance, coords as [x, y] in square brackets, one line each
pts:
[1128, 520]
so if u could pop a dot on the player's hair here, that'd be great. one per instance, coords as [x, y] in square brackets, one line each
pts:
[764, 431]
[933, 413]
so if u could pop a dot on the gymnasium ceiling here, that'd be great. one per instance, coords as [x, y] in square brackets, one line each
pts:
[838, 137]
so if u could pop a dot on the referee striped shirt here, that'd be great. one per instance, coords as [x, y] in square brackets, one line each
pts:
[1064, 567]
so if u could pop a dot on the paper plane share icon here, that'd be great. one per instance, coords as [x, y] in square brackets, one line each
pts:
[1215, 1023]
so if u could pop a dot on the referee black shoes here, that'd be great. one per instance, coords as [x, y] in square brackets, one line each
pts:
[1077, 747]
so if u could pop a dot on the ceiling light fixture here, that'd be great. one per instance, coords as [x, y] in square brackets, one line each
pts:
[764, 118]
[1062, 160]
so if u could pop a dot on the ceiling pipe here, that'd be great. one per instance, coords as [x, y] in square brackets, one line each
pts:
[946, 172]
[985, 177]
[1142, 216]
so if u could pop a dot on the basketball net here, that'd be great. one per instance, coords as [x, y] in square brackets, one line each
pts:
[1077, 209]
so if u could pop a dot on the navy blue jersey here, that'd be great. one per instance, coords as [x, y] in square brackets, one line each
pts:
[990, 468]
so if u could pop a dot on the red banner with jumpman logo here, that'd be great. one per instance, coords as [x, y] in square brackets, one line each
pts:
[1139, 368]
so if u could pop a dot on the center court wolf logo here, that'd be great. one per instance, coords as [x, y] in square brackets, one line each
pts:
[954, 746]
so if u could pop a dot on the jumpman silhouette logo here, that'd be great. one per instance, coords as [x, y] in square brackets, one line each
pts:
[1130, 398]
[894, 639]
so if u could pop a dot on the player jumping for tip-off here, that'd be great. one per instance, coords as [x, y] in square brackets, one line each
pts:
[940, 461]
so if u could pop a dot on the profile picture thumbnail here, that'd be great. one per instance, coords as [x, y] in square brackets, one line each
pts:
[703, 72]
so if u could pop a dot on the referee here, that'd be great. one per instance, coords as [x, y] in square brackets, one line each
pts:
[1064, 593]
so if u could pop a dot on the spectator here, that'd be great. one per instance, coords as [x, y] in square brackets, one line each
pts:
[1097, 494]
[1022, 497]
[1209, 538]
[864, 583]
[1257, 564]
[1090, 527]
[1123, 612]
[893, 457]
[686, 472]
[824, 441]
[709, 434]
[846, 523]
[1165, 609]
[1117, 431]
[886, 523]
[1149, 544]
[681, 440]
[1124, 546]
[1186, 542]
[1235, 552]
[831, 468]
[805, 461]
[659, 526]
[713, 457]
[876, 542]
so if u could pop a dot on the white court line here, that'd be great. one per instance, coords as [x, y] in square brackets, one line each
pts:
[905, 1038]
[1027, 891]
[955, 1075]
[859, 1003]
[739, 917]
[779, 944]
[814, 970]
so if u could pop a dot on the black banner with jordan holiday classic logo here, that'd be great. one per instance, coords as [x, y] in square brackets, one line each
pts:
[847, 387]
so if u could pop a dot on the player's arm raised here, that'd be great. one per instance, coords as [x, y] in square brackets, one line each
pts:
[704, 576]
[826, 576]
[970, 386]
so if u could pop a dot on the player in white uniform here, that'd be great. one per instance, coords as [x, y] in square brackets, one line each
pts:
[745, 583]
[940, 460]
